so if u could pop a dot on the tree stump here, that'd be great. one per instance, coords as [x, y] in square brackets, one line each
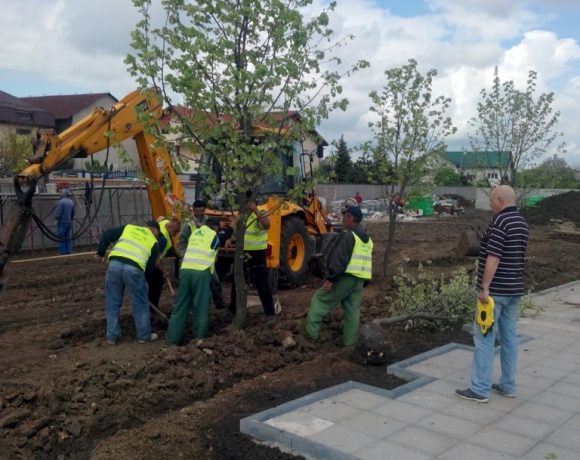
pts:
[468, 244]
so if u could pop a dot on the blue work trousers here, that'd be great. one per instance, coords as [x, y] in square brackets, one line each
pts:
[505, 325]
[64, 234]
[121, 276]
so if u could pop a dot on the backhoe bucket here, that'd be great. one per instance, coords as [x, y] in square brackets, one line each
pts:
[15, 226]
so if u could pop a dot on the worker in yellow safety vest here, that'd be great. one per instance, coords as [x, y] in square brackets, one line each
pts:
[349, 266]
[195, 275]
[255, 246]
[134, 253]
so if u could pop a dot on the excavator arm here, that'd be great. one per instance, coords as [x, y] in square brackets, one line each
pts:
[135, 116]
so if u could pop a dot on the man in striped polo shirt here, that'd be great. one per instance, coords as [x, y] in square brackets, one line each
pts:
[500, 273]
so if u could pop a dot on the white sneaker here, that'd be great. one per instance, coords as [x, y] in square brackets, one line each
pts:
[153, 338]
[277, 308]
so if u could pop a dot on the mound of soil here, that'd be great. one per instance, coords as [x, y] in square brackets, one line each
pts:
[561, 207]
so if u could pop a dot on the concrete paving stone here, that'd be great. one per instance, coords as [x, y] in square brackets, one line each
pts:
[300, 424]
[466, 451]
[566, 389]
[331, 412]
[561, 362]
[402, 411]
[534, 348]
[534, 380]
[441, 387]
[556, 326]
[571, 357]
[525, 392]
[565, 438]
[385, 450]
[428, 442]
[573, 424]
[454, 359]
[534, 429]
[552, 399]
[344, 439]
[459, 379]
[503, 404]
[448, 425]
[360, 399]
[431, 369]
[427, 399]
[547, 372]
[481, 414]
[573, 379]
[373, 424]
[507, 443]
[552, 415]
[547, 451]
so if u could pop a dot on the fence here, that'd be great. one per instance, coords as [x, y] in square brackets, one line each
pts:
[118, 206]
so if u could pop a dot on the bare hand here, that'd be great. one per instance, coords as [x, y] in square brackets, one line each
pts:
[327, 286]
[99, 258]
[483, 295]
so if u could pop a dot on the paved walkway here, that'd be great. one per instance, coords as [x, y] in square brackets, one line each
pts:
[424, 420]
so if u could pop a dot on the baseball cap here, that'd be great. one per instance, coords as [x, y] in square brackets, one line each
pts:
[153, 224]
[355, 212]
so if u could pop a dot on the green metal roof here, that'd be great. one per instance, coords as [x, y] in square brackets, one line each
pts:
[478, 160]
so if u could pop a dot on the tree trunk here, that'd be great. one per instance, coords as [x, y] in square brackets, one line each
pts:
[239, 279]
[390, 240]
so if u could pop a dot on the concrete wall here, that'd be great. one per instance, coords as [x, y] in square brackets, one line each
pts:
[335, 192]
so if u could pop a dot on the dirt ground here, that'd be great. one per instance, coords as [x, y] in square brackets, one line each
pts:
[65, 393]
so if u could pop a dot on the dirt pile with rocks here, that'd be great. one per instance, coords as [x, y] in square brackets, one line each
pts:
[564, 207]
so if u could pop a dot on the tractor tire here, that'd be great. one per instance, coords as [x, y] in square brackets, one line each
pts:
[296, 249]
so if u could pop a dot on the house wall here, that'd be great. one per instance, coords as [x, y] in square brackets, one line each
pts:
[114, 158]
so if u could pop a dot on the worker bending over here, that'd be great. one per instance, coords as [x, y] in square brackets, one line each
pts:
[349, 266]
[195, 276]
[134, 253]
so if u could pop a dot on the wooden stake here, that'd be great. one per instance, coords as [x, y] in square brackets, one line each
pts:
[170, 287]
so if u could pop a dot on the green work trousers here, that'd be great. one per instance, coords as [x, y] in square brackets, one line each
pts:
[347, 291]
[193, 295]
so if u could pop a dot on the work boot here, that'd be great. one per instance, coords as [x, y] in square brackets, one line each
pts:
[153, 338]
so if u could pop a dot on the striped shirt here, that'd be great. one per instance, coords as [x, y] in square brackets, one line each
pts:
[506, 237]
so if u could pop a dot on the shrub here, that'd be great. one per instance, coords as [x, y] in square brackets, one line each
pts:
[450, 298]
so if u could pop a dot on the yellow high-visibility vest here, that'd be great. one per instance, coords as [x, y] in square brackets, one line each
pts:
[361, 260]
[165, 233]
[135, 244]
[199, 254]
[255, 238]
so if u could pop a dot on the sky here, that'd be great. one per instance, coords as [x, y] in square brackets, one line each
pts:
[78, 46]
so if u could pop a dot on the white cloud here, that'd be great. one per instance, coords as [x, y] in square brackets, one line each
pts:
[80, 46]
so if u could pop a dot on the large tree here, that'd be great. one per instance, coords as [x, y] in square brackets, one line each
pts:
[553, 172]
[514, 121]
[410, 128]
[238, 65]
[343, 163]
[14, 149]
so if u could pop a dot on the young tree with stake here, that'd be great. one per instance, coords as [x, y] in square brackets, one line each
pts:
[234, 63]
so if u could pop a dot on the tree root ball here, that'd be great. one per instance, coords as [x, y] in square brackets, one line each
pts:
[373, 345]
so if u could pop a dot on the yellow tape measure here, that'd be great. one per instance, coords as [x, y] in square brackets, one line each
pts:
[484, 318]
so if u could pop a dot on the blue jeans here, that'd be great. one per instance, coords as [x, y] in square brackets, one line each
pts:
[505, 317]
[120, 276]
[63, 232]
